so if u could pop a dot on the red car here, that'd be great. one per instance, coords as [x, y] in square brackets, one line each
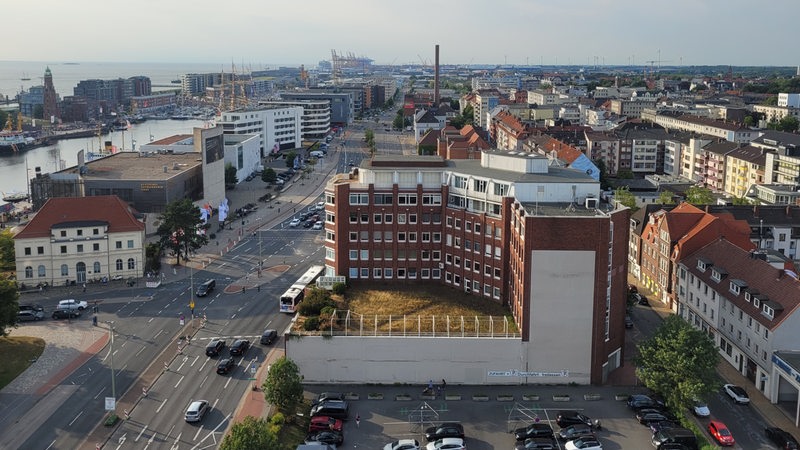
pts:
[324, 423]
[720, 433]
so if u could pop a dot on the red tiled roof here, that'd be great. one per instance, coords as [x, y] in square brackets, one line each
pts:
[104, 208]
[760, 276]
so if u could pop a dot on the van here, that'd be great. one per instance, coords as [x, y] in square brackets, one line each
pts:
[317, 154]
[206, 287]
[331, 408]
[676, 436]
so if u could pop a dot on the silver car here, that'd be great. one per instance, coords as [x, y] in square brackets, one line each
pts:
[196, 410]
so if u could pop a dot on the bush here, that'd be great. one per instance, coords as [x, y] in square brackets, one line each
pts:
[314, 302]
[339, 288]
[311, 324]
[327, 311]
[277, 419]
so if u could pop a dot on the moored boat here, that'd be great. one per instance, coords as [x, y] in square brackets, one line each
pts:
[14, 197]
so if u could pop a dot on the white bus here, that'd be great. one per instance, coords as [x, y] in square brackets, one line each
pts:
[294, 295]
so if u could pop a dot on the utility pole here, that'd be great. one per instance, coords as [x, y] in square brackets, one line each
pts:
[111, 350]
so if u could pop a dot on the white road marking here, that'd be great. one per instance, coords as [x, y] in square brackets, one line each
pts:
[123, 368]
[51, 444]
[164, 402]
[140, 351]
[151, 319]
[204, 364]
[204, 381]
[177, 438]
[157, 334]
[76, 418]
[179, 381]
[98, 394]
[140, 434]
[211, 433]
[233, 316]
[227, 382]
[195, 360]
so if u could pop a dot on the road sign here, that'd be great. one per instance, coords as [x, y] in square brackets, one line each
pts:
[111, 404]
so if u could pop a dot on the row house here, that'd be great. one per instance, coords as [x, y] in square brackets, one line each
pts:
[773, 194]
[505, 228]
[744, 167]
[729, 131]
[643, 146]
[774, 228]
[713, 164]
[465, 143]
[748, 304]
[669, 234]
[508, 131]
[605, 147]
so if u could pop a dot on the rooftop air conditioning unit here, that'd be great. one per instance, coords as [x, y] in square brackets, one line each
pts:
[591, 203]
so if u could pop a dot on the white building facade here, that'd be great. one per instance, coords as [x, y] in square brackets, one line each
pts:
[276, 126]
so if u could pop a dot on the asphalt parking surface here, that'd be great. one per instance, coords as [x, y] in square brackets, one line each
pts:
[487, 424]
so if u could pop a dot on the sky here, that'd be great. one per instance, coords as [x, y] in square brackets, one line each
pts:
[291, 32]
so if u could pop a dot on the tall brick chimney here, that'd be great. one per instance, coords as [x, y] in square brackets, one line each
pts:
[436, 79]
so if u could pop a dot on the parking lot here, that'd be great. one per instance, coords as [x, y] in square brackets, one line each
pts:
[487, 424]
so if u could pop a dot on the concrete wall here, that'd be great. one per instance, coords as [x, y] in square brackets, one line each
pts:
[352, 359]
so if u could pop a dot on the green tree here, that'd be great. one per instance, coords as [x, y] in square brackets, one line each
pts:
[230, 174]
[398, 122]
[698, 195]
[283, 386]
[601, 166]
[749, 121]
[678, 362]
[250, 433]
[468, 114]
[290, 157]
[666, 198]
[179, 228]
[625, 198]
[788, 124]
[269, 175]
[7, 260]
[152, 255]
[9, 306]
[741, 201]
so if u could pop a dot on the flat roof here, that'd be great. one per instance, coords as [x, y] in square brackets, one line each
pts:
[553, 175]
[133, 166]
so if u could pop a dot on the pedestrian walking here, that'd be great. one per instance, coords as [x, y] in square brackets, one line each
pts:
[84, 287]
[358, 420]
[242, 289]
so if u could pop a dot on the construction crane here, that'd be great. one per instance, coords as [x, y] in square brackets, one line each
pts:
[424, 63]
[304, 75]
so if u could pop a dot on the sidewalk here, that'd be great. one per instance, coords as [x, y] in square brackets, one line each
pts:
[774, 415]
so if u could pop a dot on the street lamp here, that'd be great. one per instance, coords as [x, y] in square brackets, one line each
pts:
[113, 382]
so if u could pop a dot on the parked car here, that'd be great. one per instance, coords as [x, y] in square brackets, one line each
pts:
[700, 409]
[783, 439]
[537, 443]
[331, 408]
[632, 289]
[447, 444]
[655, 427]
[445, 430]
[215, 347]
[567, 418]
[641, 299]
[720, 433]
[268, 336]
[736, 393]
[72, 304]
[317, 225]
[640, 401]
[575, 431]
[294, 223]
[584, 443]
[321, 423]
[66, 314]
[225, 366]
[645, 416]
[329, 396]
[326, 437]
[29, 315]
[309, 223]
[402, 444]
[196, 410]
[533, 430]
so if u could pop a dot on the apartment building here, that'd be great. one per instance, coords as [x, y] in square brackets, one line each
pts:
[630, 108]
[747, 302]
[484, 101]
[730, 131]
[744, 167]
[505, 228]
[315, 122]
[277, 127]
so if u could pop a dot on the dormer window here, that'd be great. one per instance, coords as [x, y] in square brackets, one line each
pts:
[737, 286]
[715, 275]
[756, 302]
[701, 266]
[769, 312]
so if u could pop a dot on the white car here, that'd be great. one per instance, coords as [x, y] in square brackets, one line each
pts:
[317, 225]
[736, 393]
[447, 444]
[402, 444]
[584, 443]
[700, 409]
[294, 223]
[196, 410]
[73, 304]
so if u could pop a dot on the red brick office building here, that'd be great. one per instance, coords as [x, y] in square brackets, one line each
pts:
[506, 227]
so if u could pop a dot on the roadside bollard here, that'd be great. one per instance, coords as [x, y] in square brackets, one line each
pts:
[166, 366]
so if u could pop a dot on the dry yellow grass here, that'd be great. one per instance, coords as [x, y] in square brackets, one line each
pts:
[418, 309]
